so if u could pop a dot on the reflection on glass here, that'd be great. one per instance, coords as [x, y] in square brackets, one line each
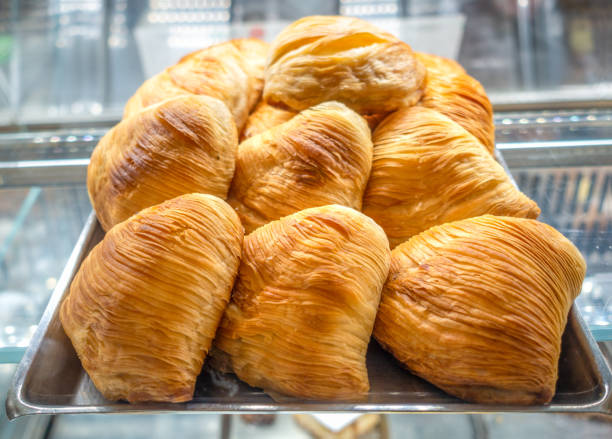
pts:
[81, 60]
[578, 202]
[38, 228]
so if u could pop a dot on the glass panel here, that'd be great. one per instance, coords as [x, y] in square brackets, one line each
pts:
[38, 228]
[67, 60]
[571, 180]
[136, 427]
[578, 202]
[499, 426]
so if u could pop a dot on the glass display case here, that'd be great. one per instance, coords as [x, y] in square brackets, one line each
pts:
[67, 67]
[78, 61]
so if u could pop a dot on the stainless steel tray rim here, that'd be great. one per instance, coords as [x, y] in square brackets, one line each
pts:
[25, 409]
[15, 405]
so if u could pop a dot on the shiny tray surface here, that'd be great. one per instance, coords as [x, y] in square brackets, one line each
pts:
[50, 379]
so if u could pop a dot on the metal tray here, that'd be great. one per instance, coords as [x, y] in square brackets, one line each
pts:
[50, 379]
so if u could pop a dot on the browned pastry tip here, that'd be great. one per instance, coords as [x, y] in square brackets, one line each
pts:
[304, 304]
[478, 307]
[345, 59]
[181, 145]
[231, 72]
[454, 93]
[428, 170]
[321, 156]
[143, 308]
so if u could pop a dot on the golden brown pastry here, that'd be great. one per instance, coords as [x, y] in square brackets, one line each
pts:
[304, 304]
[181, 145]
[324, 58]
[264, 117]
[454, 93]
[477, 307]
[428, 170]
[321, 156]
[145, 304]
[230, 71]
[439, 65]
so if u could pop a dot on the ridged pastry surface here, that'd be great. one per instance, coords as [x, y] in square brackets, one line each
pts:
[264, 117]
[454, 93]
[143, 309]
[321, 156]
[231, 72]
[181, 145]
[478, 307]
[304, 304]
[325, 58]
[428, 170]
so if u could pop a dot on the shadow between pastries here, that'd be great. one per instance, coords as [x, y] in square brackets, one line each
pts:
[477, 307]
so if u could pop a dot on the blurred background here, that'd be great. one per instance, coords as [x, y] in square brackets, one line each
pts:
[67, 67]
[68, 60]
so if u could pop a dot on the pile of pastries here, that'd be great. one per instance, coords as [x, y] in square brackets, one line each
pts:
[269, 208]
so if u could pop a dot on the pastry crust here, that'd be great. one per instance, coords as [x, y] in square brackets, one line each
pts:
[145, 304]
[428, 170]
[438, 65]
[266, 116]
[182, 145]
[324, 58]
[321, 156]
[304, 304]
[457, 95]
[231, 72]
[478, 307]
